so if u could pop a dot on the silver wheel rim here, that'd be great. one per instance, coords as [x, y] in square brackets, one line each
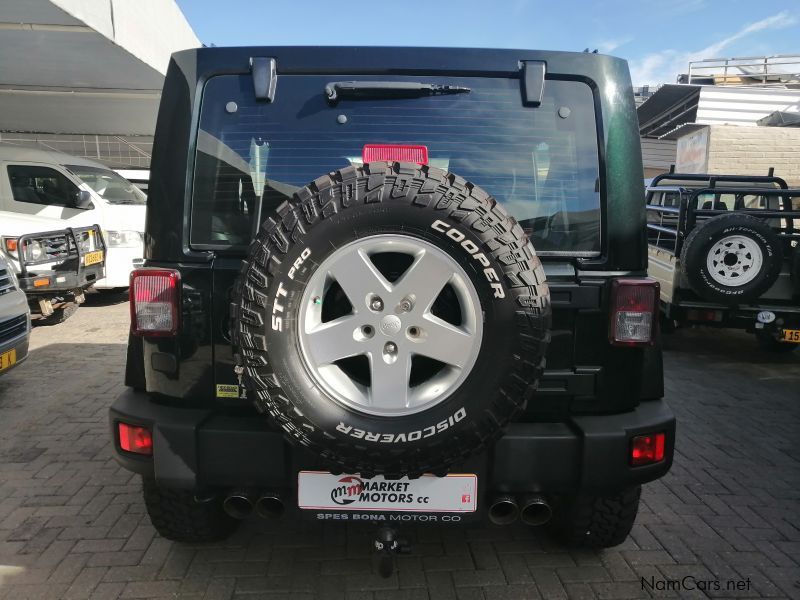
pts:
[392, 324]
[734, 260]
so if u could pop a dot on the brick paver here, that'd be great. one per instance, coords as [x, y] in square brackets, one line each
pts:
[72, 524]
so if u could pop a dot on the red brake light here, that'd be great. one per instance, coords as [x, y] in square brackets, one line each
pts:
[155, 302]
[133, 438]
[634, 312]
[647, 449]
[395, 152]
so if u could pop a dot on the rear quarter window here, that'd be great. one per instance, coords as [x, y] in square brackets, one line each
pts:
[541, 163]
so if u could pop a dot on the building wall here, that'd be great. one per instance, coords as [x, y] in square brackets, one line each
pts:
[657, 156]
[753, 150]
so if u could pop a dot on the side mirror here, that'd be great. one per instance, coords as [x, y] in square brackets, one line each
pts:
[84, 200]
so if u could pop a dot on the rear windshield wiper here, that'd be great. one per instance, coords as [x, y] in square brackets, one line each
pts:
[388, 89]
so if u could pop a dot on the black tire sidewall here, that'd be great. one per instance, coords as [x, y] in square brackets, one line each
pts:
[702, 240]
[473, 397]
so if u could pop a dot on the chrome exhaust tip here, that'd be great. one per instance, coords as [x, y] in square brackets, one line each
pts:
[270, 506]
[535, 511]
[238, 505]
[503, 510]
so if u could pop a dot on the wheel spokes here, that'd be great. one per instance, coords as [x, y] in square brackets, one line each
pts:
[335, 340]
[358, 277]
[444, 342]
[389, 380]
[425, 279]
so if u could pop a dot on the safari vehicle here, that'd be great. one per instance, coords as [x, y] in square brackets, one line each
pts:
[361, 263]
[725, 250]
[15, 320]
[55, 268]
[41, 190]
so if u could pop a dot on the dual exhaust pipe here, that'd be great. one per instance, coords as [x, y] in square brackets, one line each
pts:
[240, 504]
[532, 509]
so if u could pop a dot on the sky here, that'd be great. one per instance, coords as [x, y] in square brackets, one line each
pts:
[657, 37]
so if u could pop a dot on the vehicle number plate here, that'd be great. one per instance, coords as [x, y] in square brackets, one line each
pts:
[7, 359]
[92, 258]
[791, 335]
[317, 490]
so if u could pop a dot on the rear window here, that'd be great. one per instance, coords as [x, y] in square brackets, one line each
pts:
[541, 163]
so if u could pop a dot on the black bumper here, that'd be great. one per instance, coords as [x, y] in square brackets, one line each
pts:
[198, 448]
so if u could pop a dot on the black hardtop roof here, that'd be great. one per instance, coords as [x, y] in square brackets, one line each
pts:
[393, 59]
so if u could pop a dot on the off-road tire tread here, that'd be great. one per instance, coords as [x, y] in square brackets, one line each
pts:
[433, 190]
[593, 521]
[177, 516]
[60, 314]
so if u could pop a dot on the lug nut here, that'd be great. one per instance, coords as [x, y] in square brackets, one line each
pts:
[390, 348]
[376, 304]
[406, 305]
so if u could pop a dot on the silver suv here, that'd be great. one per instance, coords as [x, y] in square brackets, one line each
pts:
[15, 319]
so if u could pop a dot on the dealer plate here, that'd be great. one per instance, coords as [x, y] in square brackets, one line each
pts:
[318, 490]
[7, 359]
[92, 258]
[791, 335]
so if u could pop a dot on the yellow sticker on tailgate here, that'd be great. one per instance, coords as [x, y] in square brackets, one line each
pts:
[227, 391]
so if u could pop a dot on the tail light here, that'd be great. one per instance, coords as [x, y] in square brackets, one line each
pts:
[634, 312]
[155, 302]
[647, 449]
[133, 438]
[394, 152]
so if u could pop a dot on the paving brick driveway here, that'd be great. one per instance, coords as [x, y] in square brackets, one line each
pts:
[72, 522]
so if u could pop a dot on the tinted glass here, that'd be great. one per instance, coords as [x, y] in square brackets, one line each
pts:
[110, 186]
[540, 163]
[41, 185]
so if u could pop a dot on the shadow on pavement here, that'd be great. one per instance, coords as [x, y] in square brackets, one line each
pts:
[726, 345]
[107, 298]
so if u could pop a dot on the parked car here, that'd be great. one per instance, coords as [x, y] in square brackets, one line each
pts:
[56, 268]
[49, 191]
[341, 316]
[725, 250]
[15, 320]
[138, 177]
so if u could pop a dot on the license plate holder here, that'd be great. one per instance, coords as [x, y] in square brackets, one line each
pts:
[320, 490]
[8, 359]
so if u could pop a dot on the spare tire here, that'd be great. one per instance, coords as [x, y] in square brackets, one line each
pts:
[392, 318]
[732, 259]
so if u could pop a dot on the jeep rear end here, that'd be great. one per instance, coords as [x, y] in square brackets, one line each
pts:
[551, 136]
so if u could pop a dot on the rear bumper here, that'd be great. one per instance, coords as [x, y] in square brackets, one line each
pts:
[784, 315]
[198, 448]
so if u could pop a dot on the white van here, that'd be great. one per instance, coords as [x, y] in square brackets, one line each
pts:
[47, 191]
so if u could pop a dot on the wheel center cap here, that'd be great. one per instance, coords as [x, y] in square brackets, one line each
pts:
[390, 325]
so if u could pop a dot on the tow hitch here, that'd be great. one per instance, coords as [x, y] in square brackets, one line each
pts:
[388, 544]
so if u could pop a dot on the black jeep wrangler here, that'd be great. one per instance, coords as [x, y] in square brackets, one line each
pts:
[395, 285]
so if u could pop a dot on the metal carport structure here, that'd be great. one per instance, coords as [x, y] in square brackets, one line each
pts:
[84, 76]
